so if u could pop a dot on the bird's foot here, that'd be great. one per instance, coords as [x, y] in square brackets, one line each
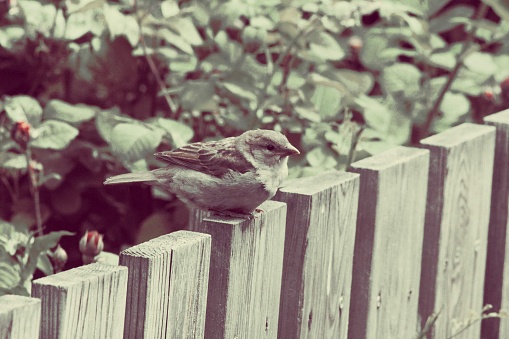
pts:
[232, 214]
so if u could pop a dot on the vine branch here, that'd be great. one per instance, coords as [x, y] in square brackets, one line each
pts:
[424, 130]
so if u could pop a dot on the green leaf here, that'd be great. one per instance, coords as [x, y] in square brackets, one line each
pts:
[199, 96]
[132, 142]
[9, 278]
[73, 114]
[294, 80]
[86, 19]
[23, 108]
[375, 146]
[502, 62]
[180, 133]
[44, 264]
[43, 18]
[356, 82]
[446, 60]
[121, 25]
[47, 241]
[41, 244]
[240, 90]
[108, 119]
[403, 78]
[53, 134]
[375, 113]
[187, 30]
[326, 47]
[454, 105]
[455, 108]
[56, 165]
[176, 40]
[84, 6]
[169, 8]
[445, 21]
[373, 48]
[435, 5]
[469, 82]
[327, 101]
[10, 35]
[481, 63]
[321, 157]
[307, 113]
[11, 239]
[13, 161]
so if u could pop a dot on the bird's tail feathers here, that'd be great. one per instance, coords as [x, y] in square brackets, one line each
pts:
[147, 177]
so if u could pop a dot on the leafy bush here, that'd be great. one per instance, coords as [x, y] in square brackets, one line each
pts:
[93, 88]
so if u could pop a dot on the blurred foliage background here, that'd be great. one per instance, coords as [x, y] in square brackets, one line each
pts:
[92, 88]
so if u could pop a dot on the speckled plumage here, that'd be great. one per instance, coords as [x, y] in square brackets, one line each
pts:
[233, 175]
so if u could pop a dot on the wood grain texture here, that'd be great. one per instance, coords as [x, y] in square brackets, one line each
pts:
[167, 290]
[496, 288]
[456, 229]
[20, 317]
[317, 269]
[245, 273]
[84, 302]
[388, 246]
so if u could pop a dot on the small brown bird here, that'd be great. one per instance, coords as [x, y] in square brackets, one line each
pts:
[232, 176]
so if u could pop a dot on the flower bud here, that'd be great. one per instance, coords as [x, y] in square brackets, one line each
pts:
[355, 43]
[58, 258]
[20, 133]
[91, 244]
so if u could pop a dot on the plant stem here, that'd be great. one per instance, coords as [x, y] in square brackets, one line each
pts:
[153, 67]
[424, 130]
[280, 58]
[34, 189]
[356, 136]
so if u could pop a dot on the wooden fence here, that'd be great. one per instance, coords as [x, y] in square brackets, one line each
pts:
[409, 241]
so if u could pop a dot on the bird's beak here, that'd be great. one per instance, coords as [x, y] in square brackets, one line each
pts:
[290, 150]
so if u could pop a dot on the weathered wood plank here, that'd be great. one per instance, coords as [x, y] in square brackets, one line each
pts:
[388, 246]
[245, 273]
[84, 302]
[317, 269]
[456, 229]
[496, 289]
[167, 289]
[20, 317]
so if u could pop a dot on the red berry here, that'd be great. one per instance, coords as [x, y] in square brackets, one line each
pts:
[488, 94]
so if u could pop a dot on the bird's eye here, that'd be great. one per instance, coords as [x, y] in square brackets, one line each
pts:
[270, 147]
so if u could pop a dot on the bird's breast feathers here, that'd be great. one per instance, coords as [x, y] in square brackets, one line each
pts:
[272, 177]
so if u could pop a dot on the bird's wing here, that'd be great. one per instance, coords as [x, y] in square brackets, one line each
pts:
[214, 157]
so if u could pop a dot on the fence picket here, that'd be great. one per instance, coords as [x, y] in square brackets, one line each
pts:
[20, 317]
[167, 288]
[317, 269]
[245, 273]
[405, 236]
[388, 246]
[84, 302]
[497, 262]
[456, 229]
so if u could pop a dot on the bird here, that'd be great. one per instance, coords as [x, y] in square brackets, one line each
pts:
[231, 176]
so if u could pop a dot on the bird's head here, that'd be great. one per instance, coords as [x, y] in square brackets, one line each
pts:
[265, 146]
